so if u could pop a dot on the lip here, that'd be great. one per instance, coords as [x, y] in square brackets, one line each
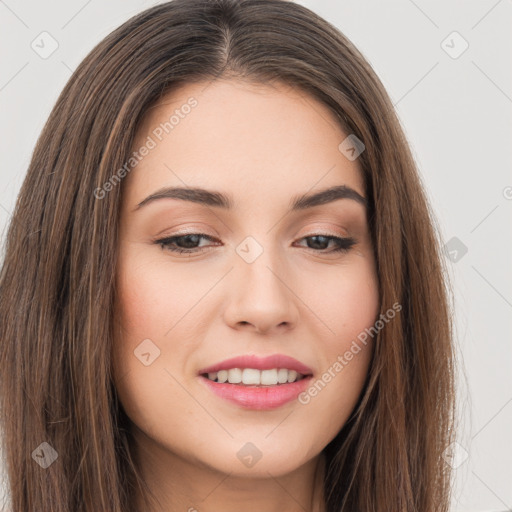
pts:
[258, 397]
[259, 363]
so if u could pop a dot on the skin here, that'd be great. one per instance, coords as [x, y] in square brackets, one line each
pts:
[262, 145]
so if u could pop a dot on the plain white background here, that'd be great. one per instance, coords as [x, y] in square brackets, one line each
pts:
[446, 66]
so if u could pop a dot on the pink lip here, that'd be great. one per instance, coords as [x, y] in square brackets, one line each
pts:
[258, 397]
[260, 363]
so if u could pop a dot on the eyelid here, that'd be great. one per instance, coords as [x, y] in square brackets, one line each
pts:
[338, 231]
[318, 232]
[323, 232]
[189, 230]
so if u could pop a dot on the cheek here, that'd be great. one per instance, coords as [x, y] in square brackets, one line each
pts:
[142, 353]
[346, 301]
[151, 314]
[152, 296]
[142, 315]
[348, 307]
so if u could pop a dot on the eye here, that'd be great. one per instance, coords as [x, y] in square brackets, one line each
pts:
[189, 241]
[322, 242]
[317, 243]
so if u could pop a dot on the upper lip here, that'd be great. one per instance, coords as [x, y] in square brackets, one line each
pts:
[260, 363]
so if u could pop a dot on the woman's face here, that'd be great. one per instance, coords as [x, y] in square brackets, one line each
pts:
[262, 278]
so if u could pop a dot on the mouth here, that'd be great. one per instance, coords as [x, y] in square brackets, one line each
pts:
[257, 383]
[255, 378]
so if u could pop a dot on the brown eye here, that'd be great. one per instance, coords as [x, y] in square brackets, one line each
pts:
[320, 243]
[183, 243]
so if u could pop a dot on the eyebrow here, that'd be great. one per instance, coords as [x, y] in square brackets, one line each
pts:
[220, 200]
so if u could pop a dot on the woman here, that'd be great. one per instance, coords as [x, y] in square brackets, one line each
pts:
[222, 285]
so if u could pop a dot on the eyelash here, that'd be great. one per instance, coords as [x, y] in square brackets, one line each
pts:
[344, 244]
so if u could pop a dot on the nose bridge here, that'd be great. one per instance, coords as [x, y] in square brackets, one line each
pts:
[261, 295]
[258, 265]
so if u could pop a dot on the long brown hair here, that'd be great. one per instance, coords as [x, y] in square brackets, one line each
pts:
[57, 287]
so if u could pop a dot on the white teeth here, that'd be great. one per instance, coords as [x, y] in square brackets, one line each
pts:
[235, 376]
[250, 376]
[253, 377]
[269, 377]
[282, 375]
[292, 375]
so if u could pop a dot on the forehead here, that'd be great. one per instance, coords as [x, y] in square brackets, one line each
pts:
[241, 136]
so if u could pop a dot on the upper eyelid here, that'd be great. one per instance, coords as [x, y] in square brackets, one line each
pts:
[315, 230]
[211, 237]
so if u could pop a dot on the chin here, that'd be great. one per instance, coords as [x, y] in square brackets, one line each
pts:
[258, 459]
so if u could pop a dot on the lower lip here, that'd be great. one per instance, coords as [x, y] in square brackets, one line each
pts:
[258, 397]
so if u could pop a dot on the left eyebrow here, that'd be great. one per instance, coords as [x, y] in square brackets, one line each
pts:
[325, 196]
[220, 200]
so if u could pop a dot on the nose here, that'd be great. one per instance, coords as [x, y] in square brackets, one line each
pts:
[261, 297]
